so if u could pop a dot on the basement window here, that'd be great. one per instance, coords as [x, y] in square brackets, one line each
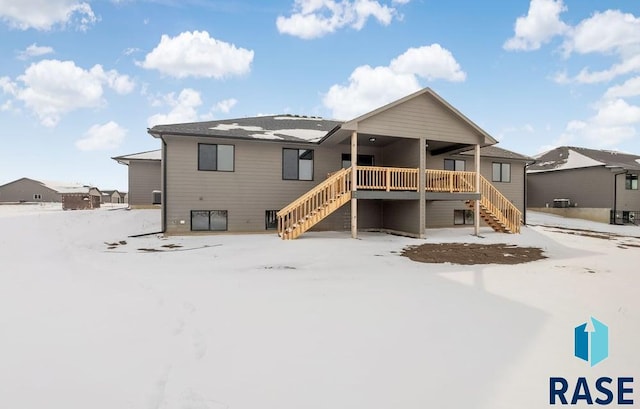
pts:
[462, 217]
[208, 220]
[271, 219]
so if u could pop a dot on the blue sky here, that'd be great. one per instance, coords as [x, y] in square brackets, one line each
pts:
[80, 81]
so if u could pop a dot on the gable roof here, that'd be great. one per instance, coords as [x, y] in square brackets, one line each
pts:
[352, 124]
[493, 151]
[572, 157]
[288, 128]
[148, 155]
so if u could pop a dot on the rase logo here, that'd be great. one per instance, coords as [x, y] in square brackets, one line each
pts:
[591, 344]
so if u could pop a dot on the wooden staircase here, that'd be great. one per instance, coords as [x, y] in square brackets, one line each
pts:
[315, 205]
[496, 210]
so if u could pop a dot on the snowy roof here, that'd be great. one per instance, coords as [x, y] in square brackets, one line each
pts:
[288, 128]
[65, 187]
[148, 155]
[571, 157]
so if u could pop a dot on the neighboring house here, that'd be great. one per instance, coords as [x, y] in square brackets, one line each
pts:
[31, 190]
[28, 190]
[419, 164]
[144, 178]
[586, 183]
[80, 198]
[112, 196]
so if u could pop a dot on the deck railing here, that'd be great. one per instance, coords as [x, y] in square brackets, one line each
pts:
[383, 178]
[331, 194]
[450, 181]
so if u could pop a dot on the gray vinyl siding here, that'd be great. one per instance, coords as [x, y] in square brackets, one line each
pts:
[588, 187]
[23, 190]
[440, 213]
[401, 215]
[420, 117]
[256, 184]
[402, 153]
[144, 178]
[627, 199]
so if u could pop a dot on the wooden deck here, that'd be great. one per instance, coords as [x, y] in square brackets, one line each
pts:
[335, 191]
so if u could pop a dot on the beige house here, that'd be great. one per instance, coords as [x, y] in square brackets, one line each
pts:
[592, 184]
[112, 196]
[144, 178]
[29, 190]
[419, 163]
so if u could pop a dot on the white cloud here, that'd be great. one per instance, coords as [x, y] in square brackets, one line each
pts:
[196, 54]
[371, 87]
[614, 122]
[183, 109]
[51, 88]
[45, 14]
[606, 32]
[317, 18]
[539, 26]
[102, 137]
[225, 105]
[630, 88]
[616, 113]
[430, 62]
[34, 50]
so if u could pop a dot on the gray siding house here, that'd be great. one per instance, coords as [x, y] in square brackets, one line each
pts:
[29, 190]
[586, 183]
[144, 178]
[419, 163]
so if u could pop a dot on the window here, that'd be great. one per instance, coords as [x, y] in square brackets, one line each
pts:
[157, 197]
[363, 160]
[208, 220]
[501, 172]
[631, 182]
[462, 217]
[215, 157]
[297, 164]
[271, 219]
[454, 164]
[37, 196]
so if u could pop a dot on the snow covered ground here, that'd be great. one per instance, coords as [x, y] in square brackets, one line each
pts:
[250, 321]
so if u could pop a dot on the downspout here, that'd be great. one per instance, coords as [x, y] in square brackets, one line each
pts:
[164, 184]
[526, 192]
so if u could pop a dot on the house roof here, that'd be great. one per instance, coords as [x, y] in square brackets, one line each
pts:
[288, 128]
[66, 187]
[148, 155]
[572, 157]
[499, 153]
[352, 124]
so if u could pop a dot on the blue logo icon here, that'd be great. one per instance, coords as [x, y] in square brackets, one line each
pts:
[591, 344]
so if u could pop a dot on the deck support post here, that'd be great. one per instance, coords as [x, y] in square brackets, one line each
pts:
[422, 187]
[354, 184]
[476, 208]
